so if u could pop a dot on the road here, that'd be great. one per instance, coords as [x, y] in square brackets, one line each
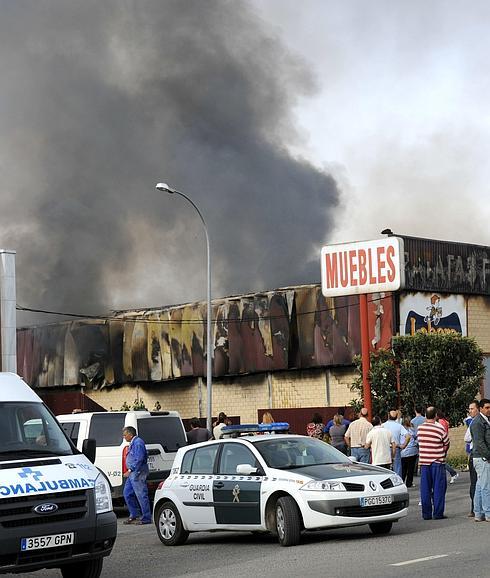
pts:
[456, 546]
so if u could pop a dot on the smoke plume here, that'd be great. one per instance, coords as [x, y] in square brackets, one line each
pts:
[101, 100]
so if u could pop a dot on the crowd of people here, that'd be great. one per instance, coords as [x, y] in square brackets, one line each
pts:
[404, 445]
[408, 445]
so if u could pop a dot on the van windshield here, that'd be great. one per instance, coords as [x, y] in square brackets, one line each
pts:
[27, 429]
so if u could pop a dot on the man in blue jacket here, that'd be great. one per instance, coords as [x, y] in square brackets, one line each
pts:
[135, 489]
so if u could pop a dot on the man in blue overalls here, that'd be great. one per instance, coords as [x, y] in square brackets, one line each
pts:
[135, 489]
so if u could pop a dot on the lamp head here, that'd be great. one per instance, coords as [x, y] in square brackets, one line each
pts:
[164, 188]
[388, 232]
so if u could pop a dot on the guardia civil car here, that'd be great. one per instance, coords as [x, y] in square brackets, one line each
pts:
[279, 483]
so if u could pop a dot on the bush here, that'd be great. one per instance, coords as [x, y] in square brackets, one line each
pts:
[443, 370]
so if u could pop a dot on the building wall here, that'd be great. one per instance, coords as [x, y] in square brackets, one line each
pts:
[479, 321]
[240, 396]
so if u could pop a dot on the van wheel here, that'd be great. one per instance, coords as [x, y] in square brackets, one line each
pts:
[381, 527]
[288, 521]
[169, 525]
[89, 569]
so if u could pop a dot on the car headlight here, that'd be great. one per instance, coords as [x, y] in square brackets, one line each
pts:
[103, 500]
[396, 480]
[324, 486]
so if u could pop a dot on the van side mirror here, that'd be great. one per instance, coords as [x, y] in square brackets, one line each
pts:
[89, 448]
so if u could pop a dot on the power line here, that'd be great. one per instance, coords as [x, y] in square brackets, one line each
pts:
[185, 321]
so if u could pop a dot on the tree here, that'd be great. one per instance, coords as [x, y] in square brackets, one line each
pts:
[443, 370]
[382, 377]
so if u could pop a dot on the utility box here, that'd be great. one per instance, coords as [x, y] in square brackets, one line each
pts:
[8, 338]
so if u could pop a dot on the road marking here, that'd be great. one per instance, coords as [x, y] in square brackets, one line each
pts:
[417, 560]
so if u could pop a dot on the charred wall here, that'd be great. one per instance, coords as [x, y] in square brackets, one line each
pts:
[293, 328]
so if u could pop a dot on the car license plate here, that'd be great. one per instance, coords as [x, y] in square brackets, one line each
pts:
[52, 541]
[151, 463]
[375, 500]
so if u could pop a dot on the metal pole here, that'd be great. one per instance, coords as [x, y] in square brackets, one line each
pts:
[209, 349]
[365, 352]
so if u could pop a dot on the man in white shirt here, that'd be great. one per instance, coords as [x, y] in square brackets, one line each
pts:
[401, 437]
[382, 444]
[355, 437]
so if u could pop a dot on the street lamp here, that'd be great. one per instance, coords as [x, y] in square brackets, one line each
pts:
[209, 360]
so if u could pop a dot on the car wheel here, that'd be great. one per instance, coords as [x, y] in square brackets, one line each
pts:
[89, 569]
[288, 521]
[169, 525]
[381, 527]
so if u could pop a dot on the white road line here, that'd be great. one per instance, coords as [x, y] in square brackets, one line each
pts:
[416, 560]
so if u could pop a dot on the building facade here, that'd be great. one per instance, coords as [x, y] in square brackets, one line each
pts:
[287, 348]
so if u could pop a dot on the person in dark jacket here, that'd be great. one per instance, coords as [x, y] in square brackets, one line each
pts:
[480, 436]
[197, 433]
[135, 489]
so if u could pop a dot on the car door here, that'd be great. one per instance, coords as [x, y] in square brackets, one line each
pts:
[194, 484]
[236, 497]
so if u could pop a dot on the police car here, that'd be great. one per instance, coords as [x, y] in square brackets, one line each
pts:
[278, 483]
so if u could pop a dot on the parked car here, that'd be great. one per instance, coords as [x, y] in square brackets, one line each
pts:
[283, 484]
[163, 433]
[55, 505]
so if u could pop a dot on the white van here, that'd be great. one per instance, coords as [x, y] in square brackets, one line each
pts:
[162, 431]
[55, 505]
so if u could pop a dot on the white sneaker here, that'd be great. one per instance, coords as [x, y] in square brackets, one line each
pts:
[453, 478]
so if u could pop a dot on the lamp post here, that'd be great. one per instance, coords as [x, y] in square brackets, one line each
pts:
[209, 359]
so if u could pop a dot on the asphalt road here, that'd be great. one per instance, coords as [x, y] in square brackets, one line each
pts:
[456, 546]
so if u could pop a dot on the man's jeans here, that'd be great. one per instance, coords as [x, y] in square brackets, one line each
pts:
[361, 454]
[481, 502]
[397, 462]
[136, 496]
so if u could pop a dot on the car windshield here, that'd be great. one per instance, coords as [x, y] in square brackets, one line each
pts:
[298, 452]
[29, 430]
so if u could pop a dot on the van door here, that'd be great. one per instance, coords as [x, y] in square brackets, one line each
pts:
[163, 436]
[107, 428]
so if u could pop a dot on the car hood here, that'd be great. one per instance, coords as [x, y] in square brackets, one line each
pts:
[333, 471]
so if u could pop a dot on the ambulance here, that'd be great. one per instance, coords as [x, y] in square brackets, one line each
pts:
[55, 505]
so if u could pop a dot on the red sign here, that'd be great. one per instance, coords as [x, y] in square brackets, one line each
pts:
[363, 267]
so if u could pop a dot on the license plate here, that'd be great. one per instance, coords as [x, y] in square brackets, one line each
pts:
[375, 501]
[52, 541]
[151, 463]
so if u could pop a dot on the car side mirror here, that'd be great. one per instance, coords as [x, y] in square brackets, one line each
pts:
[89, 449]
[247, 470]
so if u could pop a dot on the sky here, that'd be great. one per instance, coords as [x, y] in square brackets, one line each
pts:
[290, 124]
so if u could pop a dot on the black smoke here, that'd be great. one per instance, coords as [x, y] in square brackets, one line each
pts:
[100, 100]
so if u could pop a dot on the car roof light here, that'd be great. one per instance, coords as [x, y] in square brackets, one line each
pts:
[247, 428]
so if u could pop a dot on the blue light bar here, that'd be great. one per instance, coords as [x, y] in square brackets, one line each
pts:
[244, 428]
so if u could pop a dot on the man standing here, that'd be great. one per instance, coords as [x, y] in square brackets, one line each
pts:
[135, 489]
[382, 443]
[197, 433]
[473, 411]
[401, 437]
[480, 435]
[355, 437]
[433, 446]
[419, 417]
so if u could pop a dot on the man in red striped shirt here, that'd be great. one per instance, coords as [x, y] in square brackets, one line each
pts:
[433, 445]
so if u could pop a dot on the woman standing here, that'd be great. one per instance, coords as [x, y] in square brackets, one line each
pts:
[337, 433]
[315, 428]
[409, 454]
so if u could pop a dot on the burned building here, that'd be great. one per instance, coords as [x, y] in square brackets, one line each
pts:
[286, 348]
